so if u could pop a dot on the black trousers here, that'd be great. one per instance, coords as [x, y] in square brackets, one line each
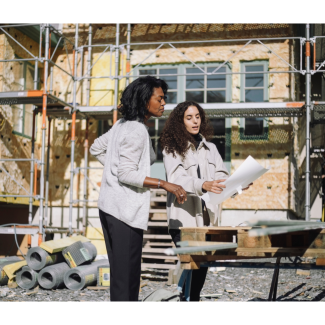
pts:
[198, 276]
[124, 249]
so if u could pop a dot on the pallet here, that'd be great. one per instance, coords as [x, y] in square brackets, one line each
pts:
[309, 243]
[157, 239]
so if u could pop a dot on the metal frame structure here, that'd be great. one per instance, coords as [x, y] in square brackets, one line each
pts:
[45, 100]
[74, 111]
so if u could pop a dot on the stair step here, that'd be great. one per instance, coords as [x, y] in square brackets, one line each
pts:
[158, 217]
[171, 244]
[157, 224]
[158, 199]
[153, 250]
[151, 236]
[157, 266]
[160, 257]
[160, 211]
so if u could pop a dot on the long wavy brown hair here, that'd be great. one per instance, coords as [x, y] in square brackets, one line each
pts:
[174, 137]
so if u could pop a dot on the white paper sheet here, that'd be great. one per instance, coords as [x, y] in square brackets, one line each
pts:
[249, 171]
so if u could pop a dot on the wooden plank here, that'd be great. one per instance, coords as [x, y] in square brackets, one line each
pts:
[252, 242]
[97, 288]
[171, 244]
[199, 243]
[158, 199]
[55, 246]
[150, 236]
[190, 266]
[303, 272]
[158, 217]
[153, 250]
[198, 229]
[211, 258]
[160, 211]
[320, 261]
[160, 257]
[145, 266]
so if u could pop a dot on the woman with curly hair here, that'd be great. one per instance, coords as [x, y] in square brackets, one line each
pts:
[126, 153]
[194, 163]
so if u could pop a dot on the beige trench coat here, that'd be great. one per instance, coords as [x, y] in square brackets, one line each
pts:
[184, 172]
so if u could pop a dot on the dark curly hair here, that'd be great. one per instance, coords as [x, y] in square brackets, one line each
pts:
[174, 137]
[136, 96]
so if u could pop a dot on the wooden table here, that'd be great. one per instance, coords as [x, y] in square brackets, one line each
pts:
[309, 243]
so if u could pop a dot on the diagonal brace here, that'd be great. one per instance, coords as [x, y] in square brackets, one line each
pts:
[146, 58]
[34, 57]
[172, 46]
[57, 45]
[220, 66]
[278, 56]
[4, 169]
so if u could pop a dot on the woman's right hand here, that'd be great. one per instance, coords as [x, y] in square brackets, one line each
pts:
[177, 190]
[214, 186]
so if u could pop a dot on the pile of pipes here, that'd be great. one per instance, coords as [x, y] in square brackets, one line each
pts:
[74, 267]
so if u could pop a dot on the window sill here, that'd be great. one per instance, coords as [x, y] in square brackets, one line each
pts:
[264, 136]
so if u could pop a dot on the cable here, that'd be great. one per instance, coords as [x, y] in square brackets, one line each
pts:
[15, 233]
[17, 243]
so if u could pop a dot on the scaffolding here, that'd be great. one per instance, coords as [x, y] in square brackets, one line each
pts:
[52, 107]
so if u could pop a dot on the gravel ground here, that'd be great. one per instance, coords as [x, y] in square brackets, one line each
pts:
[242, 285]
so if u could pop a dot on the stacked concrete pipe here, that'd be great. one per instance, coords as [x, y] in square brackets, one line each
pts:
[37, 258]
[27, 278]
[51, 277]
[84, 275]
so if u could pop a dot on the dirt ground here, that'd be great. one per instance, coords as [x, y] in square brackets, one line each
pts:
[231, 284]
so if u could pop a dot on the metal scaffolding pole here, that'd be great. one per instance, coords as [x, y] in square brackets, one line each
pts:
[73, 125]
[86, 146]
[90, 33]
[46, 64]
[31, 182]
[307, 174]
[116, 72]
[47, 173]
[128, 48]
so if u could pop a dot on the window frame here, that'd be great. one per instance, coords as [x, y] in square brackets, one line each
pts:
[163, 66]
[243, 64]
[206, 65]
[25, 65]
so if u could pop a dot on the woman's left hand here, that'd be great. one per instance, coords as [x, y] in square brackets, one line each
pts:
[246, 188]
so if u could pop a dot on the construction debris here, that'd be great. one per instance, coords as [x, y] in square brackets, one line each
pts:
[303, 272]
[11, 269]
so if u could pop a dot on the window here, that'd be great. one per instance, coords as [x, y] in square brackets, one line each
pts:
[206, 88]
[22, 114]
[192, 84]
[254, 88]
[163, 73]
[155, 128]
[219, 134]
